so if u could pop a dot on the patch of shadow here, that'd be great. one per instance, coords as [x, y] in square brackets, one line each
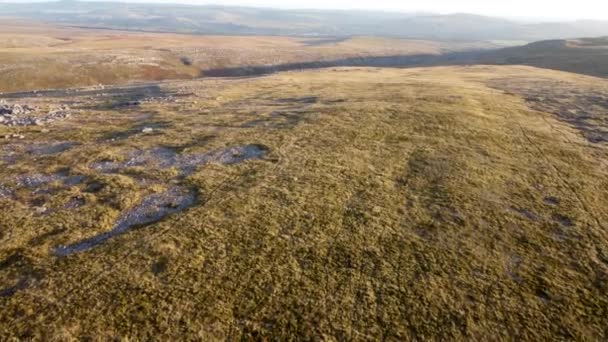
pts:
[160, 266]
[74, 203]
[151, 209]
[426, 231]
[22, 284]
[550, 200]
[135, 130]
[40, 239]
[12, 259]
[335, 101]
[94, 187]
[302, 100]
[543, 296]
[49, 149]
[361, 61]
[525, 213]
[127, 104]
[185, 61]
[19, 263]
[73, 180]
[602, 255]
[563, 220]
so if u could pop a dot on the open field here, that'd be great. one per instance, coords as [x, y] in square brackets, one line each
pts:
[340, 204]
[35, 56]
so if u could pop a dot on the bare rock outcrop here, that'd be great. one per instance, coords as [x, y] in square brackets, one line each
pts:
[25, 115]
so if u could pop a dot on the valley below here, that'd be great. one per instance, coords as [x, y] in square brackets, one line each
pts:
[36, 57]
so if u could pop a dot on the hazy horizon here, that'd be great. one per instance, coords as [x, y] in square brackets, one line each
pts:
[517, 9]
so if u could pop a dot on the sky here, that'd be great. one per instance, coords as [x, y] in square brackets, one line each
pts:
[532, 9]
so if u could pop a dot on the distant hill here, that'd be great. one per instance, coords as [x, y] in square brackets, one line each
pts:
[265, 21]
[585, 56]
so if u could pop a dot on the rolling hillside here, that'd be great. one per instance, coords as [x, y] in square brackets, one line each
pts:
[263, 21]
[38, 56]
[215, 173]
[585, 56]
[448, 203]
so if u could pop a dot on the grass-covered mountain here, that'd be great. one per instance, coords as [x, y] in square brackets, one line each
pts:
[585, 56]
[265, 21]
[449, 203]
[363, 203]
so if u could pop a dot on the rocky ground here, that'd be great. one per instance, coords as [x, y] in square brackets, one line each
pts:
[16, 114]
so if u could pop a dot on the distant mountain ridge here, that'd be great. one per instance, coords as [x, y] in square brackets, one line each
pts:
[584, 56]
[228, 20]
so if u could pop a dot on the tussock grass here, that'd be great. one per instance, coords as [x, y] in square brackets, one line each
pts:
[399, 204]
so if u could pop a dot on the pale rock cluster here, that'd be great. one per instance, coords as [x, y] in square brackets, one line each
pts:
[25, 115]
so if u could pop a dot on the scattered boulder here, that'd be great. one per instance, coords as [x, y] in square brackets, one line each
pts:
[25, 115]
[41, 210]
[5, 192]
[147, 130]
[128, 103]
[186, 61]
[14, 136]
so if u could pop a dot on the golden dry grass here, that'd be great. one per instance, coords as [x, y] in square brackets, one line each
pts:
[393, 205]
[35, 56]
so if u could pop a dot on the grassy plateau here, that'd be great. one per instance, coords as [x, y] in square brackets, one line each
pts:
[442, 203]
